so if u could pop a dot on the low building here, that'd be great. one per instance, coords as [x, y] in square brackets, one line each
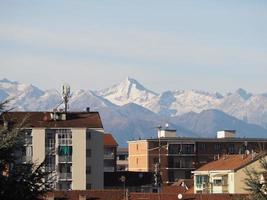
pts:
[122, 159]
[70, 143]
[226, 175]
[110, 153]
[179, 156]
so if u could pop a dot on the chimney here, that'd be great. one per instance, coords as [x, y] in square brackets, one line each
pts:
[88, 109]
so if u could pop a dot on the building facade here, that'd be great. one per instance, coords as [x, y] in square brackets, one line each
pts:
[110, 153]
[70, 143]
[227, 175]
[122, 159]
[179, 156]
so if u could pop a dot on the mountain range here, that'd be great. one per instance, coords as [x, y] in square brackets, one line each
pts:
[131, 111]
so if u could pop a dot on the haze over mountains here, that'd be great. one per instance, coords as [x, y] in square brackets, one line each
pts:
[131, 111]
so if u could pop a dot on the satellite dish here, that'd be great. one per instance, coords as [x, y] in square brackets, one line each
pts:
[180, 196]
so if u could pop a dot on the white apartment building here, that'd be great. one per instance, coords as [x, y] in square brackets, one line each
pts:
[70, 143]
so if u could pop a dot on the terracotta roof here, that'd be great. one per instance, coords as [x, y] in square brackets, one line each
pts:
[230, 162]
[43, 119]
[109, 140]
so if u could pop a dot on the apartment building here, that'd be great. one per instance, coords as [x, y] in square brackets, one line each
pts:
[122, 159]
[179, 156]
[70, 143]
[110, 153]
[227, 175]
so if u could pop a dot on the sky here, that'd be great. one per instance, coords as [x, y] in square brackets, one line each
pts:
[165, 45]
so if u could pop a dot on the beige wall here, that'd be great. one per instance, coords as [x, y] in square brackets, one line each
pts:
[96, 161]
[240, 175]
[78, 159]
[38, 145]
[231, 182]
[138, 156]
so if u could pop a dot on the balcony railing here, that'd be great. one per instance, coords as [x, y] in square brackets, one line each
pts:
[64, 159]
[108, 155]
[28, 140]
[64, 176]
[26, 159]
[109, 169]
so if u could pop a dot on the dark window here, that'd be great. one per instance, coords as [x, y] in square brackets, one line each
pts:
[88, 186]
[217, 147]
[88, 153]
[202, 146]
[88, 170]
[231, 148]
[88, 135]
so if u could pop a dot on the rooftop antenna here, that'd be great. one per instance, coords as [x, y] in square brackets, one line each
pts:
[66, 95]
[166, 126]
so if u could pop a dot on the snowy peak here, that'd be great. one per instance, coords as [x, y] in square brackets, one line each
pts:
[243, 93]
[4, 80]
[128, 91]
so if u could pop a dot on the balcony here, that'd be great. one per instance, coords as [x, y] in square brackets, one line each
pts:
[109, 169]
[26, 159]
[64, 176]
[65, 159]
[50, 150]
[28, 140]
[108, 155]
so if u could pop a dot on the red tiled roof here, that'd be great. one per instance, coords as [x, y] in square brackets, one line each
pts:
[109, 140]
[229, 162]
[43, 119]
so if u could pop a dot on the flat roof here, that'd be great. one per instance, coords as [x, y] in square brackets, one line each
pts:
[199, 139]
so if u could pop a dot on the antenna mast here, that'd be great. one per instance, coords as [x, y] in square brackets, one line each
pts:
[66, 96]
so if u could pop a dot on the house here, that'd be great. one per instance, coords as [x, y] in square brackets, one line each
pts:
[110, 153]
[71, 143]
[227, 174]
[179, 156]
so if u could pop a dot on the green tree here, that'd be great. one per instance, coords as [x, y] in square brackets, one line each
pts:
[18, 180]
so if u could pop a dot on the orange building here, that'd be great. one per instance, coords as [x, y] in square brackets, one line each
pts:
[179, 156]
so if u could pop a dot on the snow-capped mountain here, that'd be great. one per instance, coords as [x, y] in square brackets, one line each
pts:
[129, 109]
[128, 91]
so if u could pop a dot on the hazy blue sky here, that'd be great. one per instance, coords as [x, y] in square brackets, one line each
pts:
[210, 45]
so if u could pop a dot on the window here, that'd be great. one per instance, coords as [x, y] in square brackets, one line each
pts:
[136, 146]
[217, 182]
[231, 148]
[202, 146]
[88, 186]
[187, 148]
[64, 136]
[88, 153]
[88, 135]
[88, 170]
[137, 161]
[50, 163]
[217, 147]
[65, 150]
[201, 180]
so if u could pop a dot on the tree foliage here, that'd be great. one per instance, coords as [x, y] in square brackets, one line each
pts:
[255, 184]
[18, 180]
